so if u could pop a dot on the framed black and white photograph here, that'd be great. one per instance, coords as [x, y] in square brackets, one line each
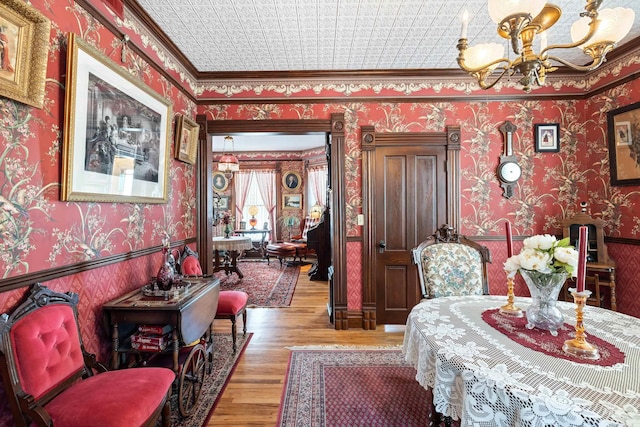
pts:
[623, 131]
[547, 137]
[116, 146]
[220, 182]
[291, 180]
[292, 201]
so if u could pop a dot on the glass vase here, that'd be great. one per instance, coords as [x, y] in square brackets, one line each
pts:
[164, 278]
[227, 231]
[544, 289]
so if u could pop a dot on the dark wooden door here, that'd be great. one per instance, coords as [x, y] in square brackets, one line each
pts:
[409, 203]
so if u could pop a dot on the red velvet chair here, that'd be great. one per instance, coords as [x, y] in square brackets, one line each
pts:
[50, 379]
[231, 304]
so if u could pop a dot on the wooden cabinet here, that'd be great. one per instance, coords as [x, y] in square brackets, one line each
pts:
[601, 270]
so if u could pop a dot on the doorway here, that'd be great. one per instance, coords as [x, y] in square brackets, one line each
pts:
[335, 129]
[410, 188]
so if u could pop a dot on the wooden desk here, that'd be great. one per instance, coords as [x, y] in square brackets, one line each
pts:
[233, 246]
[263, 233]
[190, 314]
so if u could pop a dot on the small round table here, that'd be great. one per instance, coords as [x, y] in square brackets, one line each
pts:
[233, 245]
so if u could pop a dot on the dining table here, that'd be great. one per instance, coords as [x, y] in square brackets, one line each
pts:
[485, 368]
[226, 251]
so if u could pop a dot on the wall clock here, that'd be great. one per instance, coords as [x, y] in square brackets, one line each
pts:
[509, 171]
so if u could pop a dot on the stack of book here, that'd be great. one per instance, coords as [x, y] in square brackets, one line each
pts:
[151, 338]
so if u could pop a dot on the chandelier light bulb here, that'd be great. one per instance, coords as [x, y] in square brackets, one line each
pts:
[614, 25]
[500, 9]
[485, 53]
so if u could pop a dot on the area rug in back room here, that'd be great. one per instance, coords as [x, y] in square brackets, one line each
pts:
[352, 387]
[268, 285]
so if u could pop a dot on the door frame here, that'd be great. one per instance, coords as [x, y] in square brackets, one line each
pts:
[335, 128]
[370, 140]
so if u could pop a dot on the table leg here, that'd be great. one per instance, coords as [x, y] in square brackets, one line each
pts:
[176, 349]
[115, 339]
[234, 263]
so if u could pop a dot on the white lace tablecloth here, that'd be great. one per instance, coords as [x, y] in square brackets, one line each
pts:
[233, 243]
[483, 378]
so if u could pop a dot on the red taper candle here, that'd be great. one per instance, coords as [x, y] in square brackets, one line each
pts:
[582, 258]
[507, 226]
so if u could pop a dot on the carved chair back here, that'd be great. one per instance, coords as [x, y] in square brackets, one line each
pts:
[451, 264]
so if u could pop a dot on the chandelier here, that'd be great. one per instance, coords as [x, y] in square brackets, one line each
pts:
[228, 163]
[519, 21]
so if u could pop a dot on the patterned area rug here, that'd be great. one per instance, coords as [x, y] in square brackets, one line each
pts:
[266, 285]
[224, 363]
[341, 387]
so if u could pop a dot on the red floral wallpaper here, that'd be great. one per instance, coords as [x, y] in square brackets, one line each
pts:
[38, 231]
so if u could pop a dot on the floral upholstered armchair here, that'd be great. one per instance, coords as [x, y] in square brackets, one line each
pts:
[450, 264]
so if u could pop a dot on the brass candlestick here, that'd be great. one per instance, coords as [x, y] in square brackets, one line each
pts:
[579, 346]
[509, 309]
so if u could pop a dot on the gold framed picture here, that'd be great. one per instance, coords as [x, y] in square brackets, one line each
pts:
[292, 201]
[291, 180]
[186, 140]
[24, 48]
[116, 146]
[220, 182]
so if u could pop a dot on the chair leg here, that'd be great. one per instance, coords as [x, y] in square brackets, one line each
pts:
[233, 332]
[166, 412]
[244, 322]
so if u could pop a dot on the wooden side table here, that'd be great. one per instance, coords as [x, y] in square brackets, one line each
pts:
[190, 314]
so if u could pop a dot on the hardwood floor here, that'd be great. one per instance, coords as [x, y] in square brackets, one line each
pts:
[252, 397]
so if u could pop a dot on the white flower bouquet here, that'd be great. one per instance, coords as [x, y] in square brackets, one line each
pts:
[545, 254]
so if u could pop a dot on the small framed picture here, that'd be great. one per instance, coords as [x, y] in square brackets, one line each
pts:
[291, 180]
[186, 140]
[291, 201]
[547, 137]
[221, 203]
[220, 182]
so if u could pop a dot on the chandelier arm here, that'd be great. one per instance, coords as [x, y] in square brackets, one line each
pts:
[595, 64]
[482, 78]
[485, 66]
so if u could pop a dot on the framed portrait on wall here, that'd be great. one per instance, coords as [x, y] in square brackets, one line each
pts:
[186, 140]
[24, 48]
[291, 180]
[547, 137]
[220, 182]
[623, 132]
[116, 144]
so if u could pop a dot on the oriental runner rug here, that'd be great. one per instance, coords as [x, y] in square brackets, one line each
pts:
[224, 363]
[352, 387]
[267, 285]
